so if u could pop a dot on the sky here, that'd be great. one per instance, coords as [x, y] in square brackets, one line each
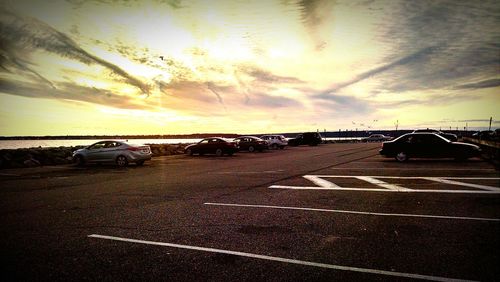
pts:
[109, 67]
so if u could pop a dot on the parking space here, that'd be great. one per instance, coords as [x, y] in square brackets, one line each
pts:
[336, 212]
[373, 218]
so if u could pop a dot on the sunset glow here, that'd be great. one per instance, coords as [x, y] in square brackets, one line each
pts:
[180, 67]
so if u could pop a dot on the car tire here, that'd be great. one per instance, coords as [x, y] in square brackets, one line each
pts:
[79, 160]
[401, 157]
[121, 161]
[274, 146]
[189, 152]
[219, 152]
[139, 163]
[251, 148]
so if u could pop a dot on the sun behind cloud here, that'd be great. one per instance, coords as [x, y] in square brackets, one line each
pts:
[246, 67]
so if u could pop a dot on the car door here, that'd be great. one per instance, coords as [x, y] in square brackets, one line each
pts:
[110, 151]
[202, 147]
[94, 153]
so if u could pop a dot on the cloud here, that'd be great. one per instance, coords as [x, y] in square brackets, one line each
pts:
[262, 76]
[261, 100]
[341, 103]
[481, 84]
[463, 34]
[409, 59]
[71, 92]
[29, 34]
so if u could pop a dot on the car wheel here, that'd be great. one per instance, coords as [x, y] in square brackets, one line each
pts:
[274, 146]
[401, 157]
[189, 152]
[219, 152]
[251, 148]
[139, 163]
[79, 161]
[121, 161]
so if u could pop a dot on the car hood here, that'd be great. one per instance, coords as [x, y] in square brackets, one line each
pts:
[189, 146]
[465, 144]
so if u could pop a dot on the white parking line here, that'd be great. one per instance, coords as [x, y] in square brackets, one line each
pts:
[280, 259]
[381, 183]
[324, 184]
[412, 168]
[356, 212]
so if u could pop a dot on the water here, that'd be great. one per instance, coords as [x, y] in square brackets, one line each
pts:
[16, 144]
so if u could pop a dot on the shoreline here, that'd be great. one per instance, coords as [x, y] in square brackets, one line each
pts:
[46, 156]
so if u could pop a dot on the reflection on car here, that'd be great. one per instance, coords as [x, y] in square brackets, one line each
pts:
[251, 143]
[214, 145]
[449, 136]
[427, 145]
[306, 138]
[377, 138]
[112, 151]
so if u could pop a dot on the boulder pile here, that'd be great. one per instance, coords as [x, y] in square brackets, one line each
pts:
[32, 157]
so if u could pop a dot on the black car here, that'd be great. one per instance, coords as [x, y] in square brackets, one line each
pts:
[214, 145]
[449, 136]
[427, 145]
[251, 143]
[306, 138]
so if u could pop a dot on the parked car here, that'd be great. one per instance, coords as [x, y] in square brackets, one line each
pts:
[376, 138]
[251, 143]
[112, 151]
[213, 145]
[427, 145]
[275, 141]
[485, 135]
[306, 138]
[449, 136]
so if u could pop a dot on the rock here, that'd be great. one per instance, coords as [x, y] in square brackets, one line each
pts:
[31, 163]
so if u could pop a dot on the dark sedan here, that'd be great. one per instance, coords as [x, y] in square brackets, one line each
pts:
[427, 145]
[214, 145]
[251, 143]
[306, 138]
[449, 136]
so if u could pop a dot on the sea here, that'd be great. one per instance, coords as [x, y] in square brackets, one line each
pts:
[17, 144]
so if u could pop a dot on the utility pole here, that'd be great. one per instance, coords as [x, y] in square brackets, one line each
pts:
[491, 119]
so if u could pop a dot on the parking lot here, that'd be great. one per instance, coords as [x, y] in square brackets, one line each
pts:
[336, 212]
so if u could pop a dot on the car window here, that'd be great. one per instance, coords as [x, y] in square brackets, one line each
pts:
[96, 146]
[204, 141]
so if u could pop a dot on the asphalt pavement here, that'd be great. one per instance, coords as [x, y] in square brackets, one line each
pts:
[335, 212]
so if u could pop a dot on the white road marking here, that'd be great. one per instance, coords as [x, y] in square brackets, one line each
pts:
[410, 168]
[387, 187]
[279, 259]
[381, 183]
[321, 182]
[446, 181]
[384, 190]
[357, 212]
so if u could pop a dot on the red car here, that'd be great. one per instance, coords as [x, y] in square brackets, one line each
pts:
[213, 145]
[251, 143]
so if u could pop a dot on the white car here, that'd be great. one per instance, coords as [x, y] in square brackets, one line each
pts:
[275, 141]
[377, 138]
[112, 151]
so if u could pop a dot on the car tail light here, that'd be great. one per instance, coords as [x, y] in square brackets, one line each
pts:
[132, 148]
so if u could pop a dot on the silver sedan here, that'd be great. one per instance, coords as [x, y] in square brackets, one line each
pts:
[112, 151]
